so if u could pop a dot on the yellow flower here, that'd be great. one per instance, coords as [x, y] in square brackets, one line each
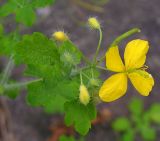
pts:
[84, 96]
[134, 58]
[60, 36]
[93, 23]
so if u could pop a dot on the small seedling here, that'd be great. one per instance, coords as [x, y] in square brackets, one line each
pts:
[141, 122]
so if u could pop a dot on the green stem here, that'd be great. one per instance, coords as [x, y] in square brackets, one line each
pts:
[124, 36]
[81, 78]
[102, 68]
[85, 75]
[20, 84]
[99, 45]
[92, 73]
[7, 71]
[84, 68]
[120, 38]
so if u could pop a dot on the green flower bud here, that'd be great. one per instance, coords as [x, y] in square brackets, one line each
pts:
[84, 96]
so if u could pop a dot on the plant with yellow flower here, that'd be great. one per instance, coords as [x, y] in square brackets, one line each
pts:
[67, 81]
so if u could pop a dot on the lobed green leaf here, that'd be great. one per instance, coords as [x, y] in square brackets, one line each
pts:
[55, 89]
[128, 135]
[79, 115]
[136, 106]
[36, 49]
[121, 124]
[24, 10]
[148, 133]
[154, 113]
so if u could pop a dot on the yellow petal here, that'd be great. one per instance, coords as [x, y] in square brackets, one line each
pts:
[135, 53]
[142, 81]
[113, 60]
[114, 87]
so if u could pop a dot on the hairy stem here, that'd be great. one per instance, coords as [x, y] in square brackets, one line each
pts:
[81, 77]
[7, 71]
[20, 84]
[102, 68]
[120, 38]
[124, 36]
[98, 47]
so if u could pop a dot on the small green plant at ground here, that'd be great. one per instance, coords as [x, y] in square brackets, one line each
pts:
[140, 122]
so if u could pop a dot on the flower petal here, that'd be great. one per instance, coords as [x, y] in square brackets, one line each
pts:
[114, 87]
[135, 53]
[113, 60]
[142, 81]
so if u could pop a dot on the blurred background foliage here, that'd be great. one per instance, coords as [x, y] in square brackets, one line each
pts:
[140, 122]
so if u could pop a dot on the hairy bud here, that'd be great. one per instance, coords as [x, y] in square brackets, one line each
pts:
[60, 36]
[93, 23]
[84, 96]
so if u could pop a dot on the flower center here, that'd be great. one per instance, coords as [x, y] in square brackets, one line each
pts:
[127, 71]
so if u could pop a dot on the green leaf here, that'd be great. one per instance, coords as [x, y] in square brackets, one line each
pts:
[7, 8]
[41, 95]
[26, 15]
[8, 42]
[66, 138]
[154, 113]
[79, 115]
[42, 3]
[36, 49]
[70, 55]
[148, 133]
[121, 124]
[146, 117]
[128, 135]
[24, 10]
[136, 106]
[55, 89]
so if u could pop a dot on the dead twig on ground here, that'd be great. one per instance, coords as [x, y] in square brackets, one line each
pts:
[5, 122]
